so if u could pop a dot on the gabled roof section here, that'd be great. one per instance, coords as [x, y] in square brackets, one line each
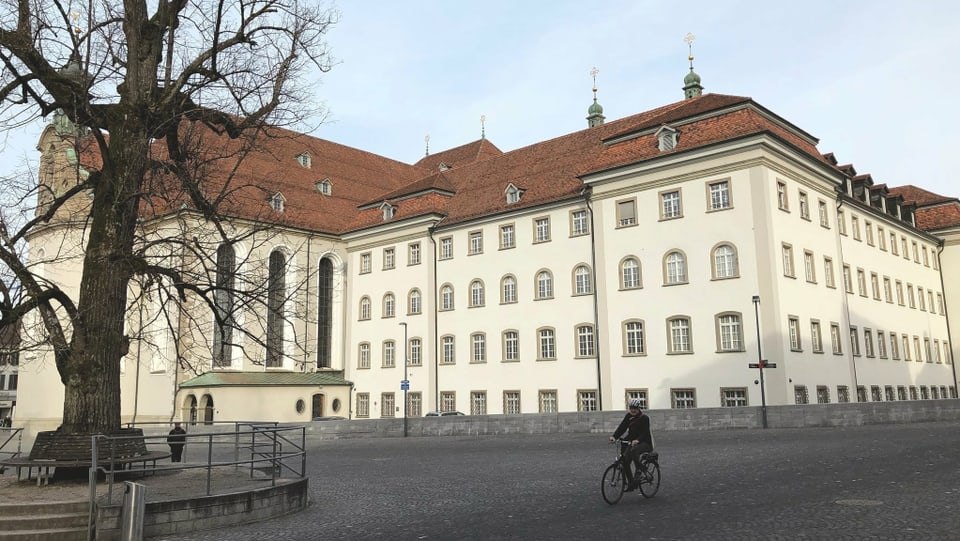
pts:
[476, 151]
[258, 379]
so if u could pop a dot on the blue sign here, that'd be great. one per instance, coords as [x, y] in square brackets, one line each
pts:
[404, 385]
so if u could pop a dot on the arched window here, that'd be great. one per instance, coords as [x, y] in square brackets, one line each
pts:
[446, 297]
[276, 308]
[413, 302]
[544, 285]
[508, 289]
[389, 305]
[223, 300]
[476, 293]
[725, 262]
[582, 283]
[325, 313]
[675, 268]
[364, 308]
[630, 273]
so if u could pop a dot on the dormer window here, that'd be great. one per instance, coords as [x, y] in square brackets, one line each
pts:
[388, 210]
[513, 194]
[443, 166]
[666, 138]
[304, 160]
[325, 186]
[277, 202]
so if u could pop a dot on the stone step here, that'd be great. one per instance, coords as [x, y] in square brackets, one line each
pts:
[51, 534]
[41, 522]
[44, 508]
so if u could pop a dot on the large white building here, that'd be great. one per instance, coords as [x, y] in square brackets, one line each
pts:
[656, 256]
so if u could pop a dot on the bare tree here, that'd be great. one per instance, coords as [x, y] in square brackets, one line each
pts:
[154, 98]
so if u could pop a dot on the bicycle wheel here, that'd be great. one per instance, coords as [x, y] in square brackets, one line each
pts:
[650, 480]
[612, 484]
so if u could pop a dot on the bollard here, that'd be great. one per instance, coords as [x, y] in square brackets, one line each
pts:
[131, 517]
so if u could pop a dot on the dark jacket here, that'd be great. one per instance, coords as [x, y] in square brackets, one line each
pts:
[177, 436]
[636, 427]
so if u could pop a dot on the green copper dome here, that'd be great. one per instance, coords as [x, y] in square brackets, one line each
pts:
[691, 78]
[595, 108]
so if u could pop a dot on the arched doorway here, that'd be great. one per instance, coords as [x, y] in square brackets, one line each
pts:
[190, 409]
[317, 405]
[207, 404]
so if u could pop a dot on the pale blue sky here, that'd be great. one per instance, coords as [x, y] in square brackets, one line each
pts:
[873, 80]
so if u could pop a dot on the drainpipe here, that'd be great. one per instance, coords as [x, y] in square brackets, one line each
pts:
[436, 312]
[586, 192]
[846, 306]
[306, 313]
[946, 314]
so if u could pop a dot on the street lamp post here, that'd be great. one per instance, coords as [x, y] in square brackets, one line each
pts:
[405, 384]
[760, 362]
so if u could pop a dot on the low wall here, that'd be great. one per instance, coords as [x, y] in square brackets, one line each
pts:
[209, 512]
[810, 415]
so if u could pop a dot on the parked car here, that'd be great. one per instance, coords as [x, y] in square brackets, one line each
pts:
[442, 413]
[330, 418]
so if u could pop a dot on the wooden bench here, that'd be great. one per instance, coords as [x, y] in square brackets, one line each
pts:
[54, 449]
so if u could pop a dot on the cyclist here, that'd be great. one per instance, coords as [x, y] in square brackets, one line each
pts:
[636, 425]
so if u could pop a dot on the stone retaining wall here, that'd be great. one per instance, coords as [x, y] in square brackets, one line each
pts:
[810, 415]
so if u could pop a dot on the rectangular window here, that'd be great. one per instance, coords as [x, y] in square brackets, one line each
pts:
[916, 349]
[587, 400]
[585, 345]
[804, 206]
[901, 392]
[905, 249]
[916, 252]
[847, 279]
[862, 282]
[868, 227]
[578, 223]
[547, 345]
[823, 394]
[478, 403]
[782, 202]
[626, 213]
[928, 353]
[940, 303]
[446, 248]
[637, 394]
[413, 253]
[816, 337]
[824, 214]
[388, 406]
[389, 258]
[415, 355]
[843, 394]
[861, 393]
[719, 195]
[414, 404]
[389, 354]
[670, 205]
[899, 292]
[730, 332]
[733, 397]
[841, 222]
[365, 263]
[683, 398]
[911, 300]
[854, 342]
[511, 402]
[875, 394]
[363, 404]
[809, 267]
[548, 401]
[905, 342]
[448, 401]
[887, 289]
[855, 227]
[936, 351]
[800, 394]
[868, 342]
[364, 356]
[894, 346]
[893, 244]
[921, 299]
[926, 258]
[476, 242]
[448, 349]
[828, 272]
[793, 325]
[507, 238]
[881, 238]
[787, 251]
[679, 331]
[541, 230]
[835, 342]
[881, 344]
[875, 285]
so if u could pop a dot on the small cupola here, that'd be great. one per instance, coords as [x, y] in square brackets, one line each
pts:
[595, 111]
[691, 83]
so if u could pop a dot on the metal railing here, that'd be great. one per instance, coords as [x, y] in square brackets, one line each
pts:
[266, 447]
[10, 438]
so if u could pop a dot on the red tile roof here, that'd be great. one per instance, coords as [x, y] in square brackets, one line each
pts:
[476, 151]
[934, 211]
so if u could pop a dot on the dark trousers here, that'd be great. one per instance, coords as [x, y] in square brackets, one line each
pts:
[632, 454]
[176, 452]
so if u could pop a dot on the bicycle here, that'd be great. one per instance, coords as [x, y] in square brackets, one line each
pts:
[614, 481]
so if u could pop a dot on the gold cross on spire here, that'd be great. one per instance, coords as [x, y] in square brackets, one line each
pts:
[689, 39]
[593, 73]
